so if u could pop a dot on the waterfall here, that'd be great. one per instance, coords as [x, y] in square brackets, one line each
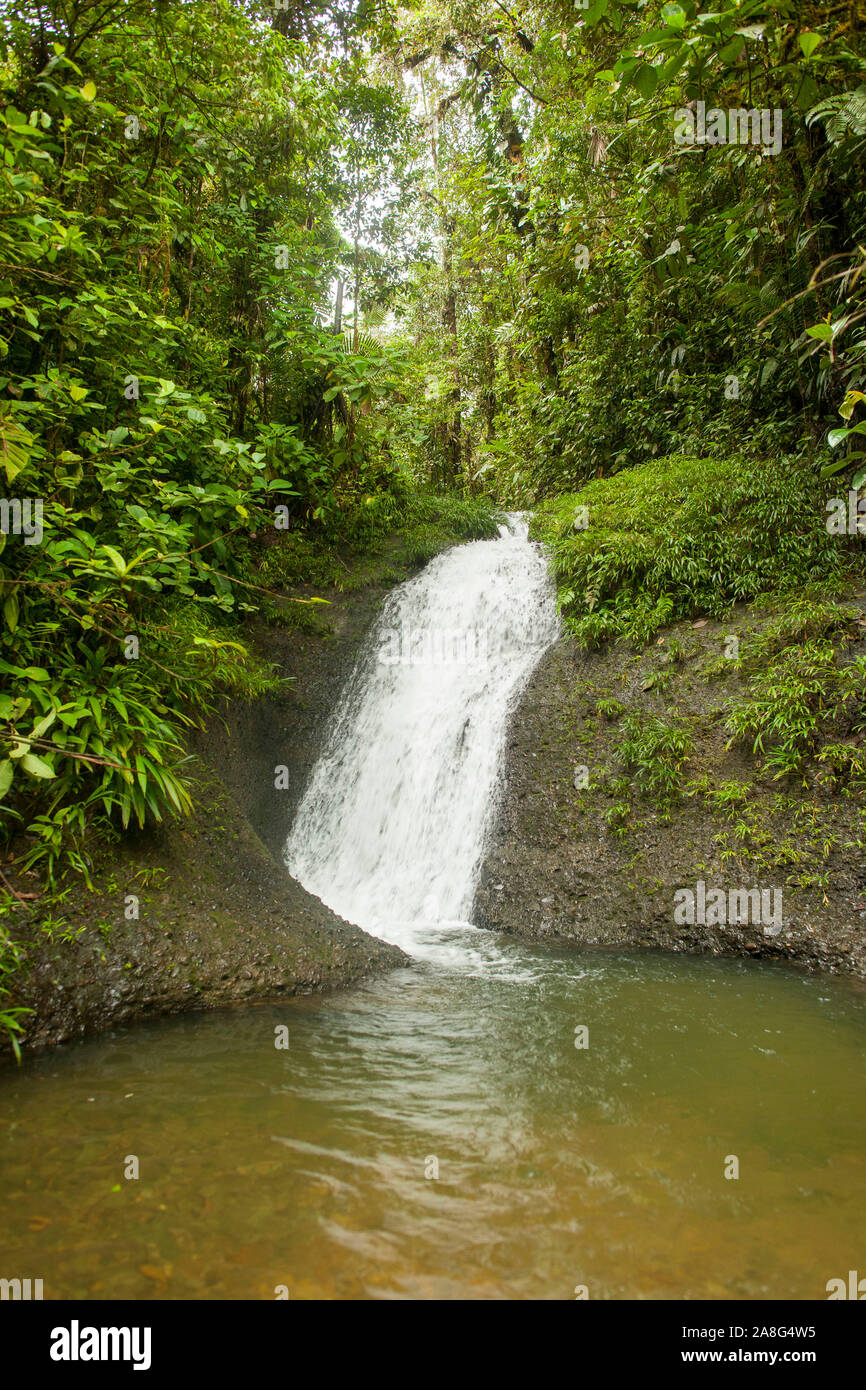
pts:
[391, 829]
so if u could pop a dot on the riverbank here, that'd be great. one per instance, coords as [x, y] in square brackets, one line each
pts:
[218, 919]
[622, 787]
[195, 916]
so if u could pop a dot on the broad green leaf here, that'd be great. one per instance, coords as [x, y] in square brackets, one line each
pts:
[645, 80]
[846, 409]
[36, 766]
[674, 15]
[43, 724]
[830, 468]
[809, 42]
[115, 557]
[10, 612]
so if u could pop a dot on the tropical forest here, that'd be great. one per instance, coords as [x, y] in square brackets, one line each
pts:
[432, 650]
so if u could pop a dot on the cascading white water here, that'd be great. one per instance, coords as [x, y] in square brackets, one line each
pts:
[391, 828]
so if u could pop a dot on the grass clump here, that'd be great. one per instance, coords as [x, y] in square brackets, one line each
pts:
[452, 516]
[804, 691]
[610, 708]
[653, 753]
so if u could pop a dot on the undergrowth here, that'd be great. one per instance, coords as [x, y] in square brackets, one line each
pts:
[806, 692]
[680, 536]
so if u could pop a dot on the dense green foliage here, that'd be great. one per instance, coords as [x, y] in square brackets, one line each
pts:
[621, 294]
[807, 694]
[654, 751]
[170, 387]
[681, 536]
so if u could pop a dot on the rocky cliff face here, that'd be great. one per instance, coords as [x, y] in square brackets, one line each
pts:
[250, 740]
[583, 852]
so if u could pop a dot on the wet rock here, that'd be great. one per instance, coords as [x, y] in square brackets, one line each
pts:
[555, 869]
